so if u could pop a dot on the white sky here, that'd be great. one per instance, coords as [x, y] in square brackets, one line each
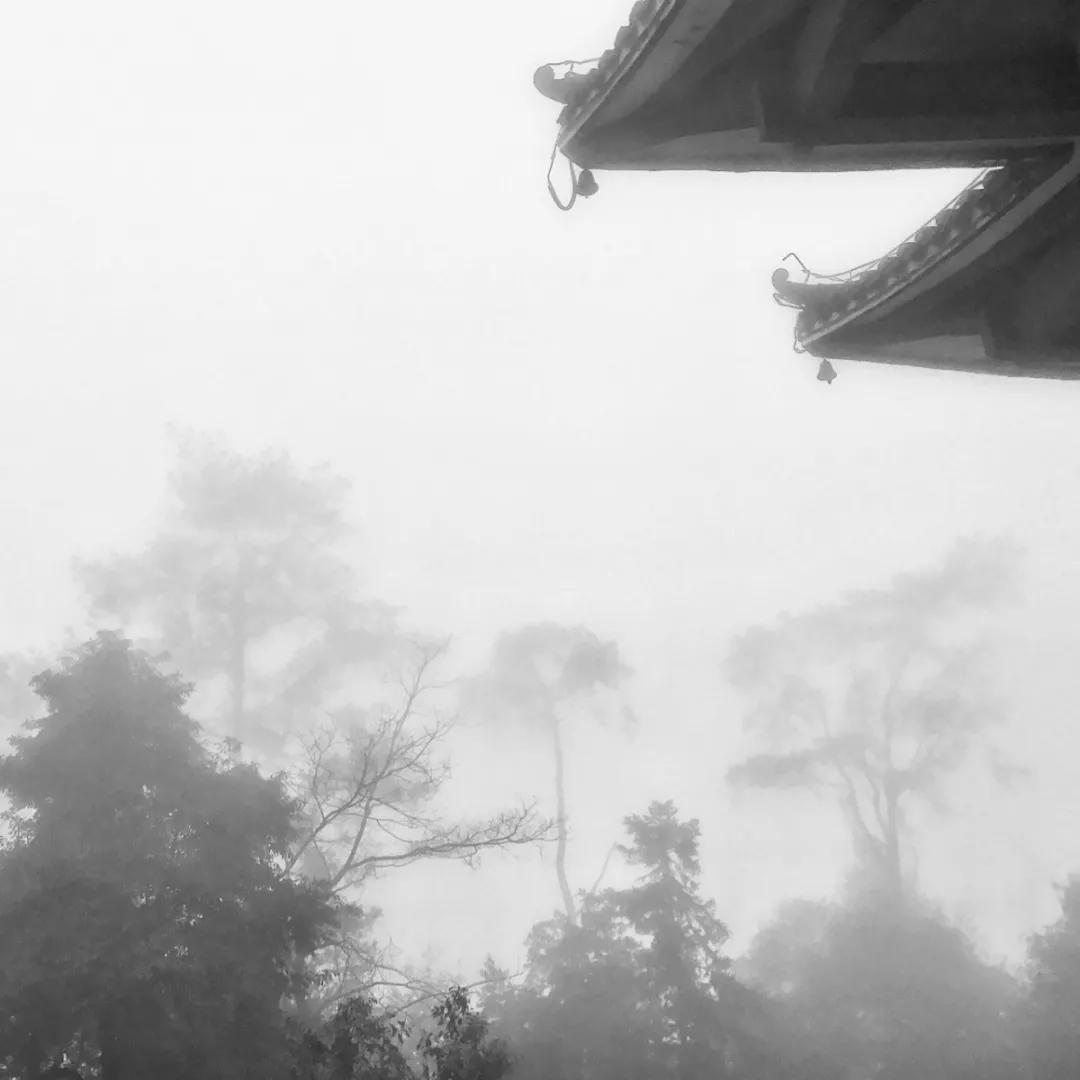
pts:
[325, 227]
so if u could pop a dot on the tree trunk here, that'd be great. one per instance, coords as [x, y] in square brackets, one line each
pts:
[560, 823]
[30, 1056]
[238, 661]
[891, 842]
[110, 1061]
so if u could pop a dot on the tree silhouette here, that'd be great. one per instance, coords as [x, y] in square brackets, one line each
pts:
[534, 675]
[367, 787]
[885, 989]
[639, 987]
[879, 698]
[1049, 1014]
[145, 913]
[247, 588]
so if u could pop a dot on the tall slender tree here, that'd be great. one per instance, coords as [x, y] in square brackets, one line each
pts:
[535, 674]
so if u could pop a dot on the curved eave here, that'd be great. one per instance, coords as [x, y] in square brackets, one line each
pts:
[948, 248]
[743, 149]
[648, 50]
[652, 48]
[967, 355]
[628, 56]
[822, 84]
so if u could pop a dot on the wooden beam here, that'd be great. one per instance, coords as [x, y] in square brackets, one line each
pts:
[1044, 305]
[833, 42]
[814, 51]
[1012, 129]
[735, 41]
[740, 27]
[1047, 82]
[890, 96]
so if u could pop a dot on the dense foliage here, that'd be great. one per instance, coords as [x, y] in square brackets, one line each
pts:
[361, 1042]
[884, 989]
[169, 911]
[248, 587]
[146, 922]
[148, 926]
[641, 986]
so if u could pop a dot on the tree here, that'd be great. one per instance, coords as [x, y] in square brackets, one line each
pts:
[247, 589]
[887, 989]
[640, 987]
[18, 702]
[535, 675]
[147, 926]
[707, 1018]
[879, 699]
[459, 1048]
[360, 1042]
[778, 956]
[582, 1012]
[369, 777]
[356, 1043]
[1053, 1000]
[368, 787]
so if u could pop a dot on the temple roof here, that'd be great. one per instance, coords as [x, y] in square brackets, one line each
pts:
[829, 302]
[987, 284]
[990, 283]
[615, 65]
[822, 84]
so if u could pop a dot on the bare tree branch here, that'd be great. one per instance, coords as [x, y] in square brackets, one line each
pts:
[368, 785]
[440, 991]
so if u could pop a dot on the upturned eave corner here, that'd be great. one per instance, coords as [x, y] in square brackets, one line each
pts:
[839, 85]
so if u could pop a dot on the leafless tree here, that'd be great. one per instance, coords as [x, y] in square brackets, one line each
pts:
[534, 673]
[367, 787]
[368, 790]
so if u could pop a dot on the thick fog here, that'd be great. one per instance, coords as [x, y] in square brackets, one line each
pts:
[326, 233]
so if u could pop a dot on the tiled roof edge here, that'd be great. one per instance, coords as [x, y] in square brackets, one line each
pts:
[987, 199]
[647, 18]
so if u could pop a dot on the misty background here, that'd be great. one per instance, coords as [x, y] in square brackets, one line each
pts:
[329, 234]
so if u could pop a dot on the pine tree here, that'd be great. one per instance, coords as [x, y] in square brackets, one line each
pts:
[701, 1006]
[638, 988]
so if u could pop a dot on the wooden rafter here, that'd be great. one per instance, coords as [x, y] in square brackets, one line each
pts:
[833, 42]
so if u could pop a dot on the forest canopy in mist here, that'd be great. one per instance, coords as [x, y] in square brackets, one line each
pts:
[208, 791]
